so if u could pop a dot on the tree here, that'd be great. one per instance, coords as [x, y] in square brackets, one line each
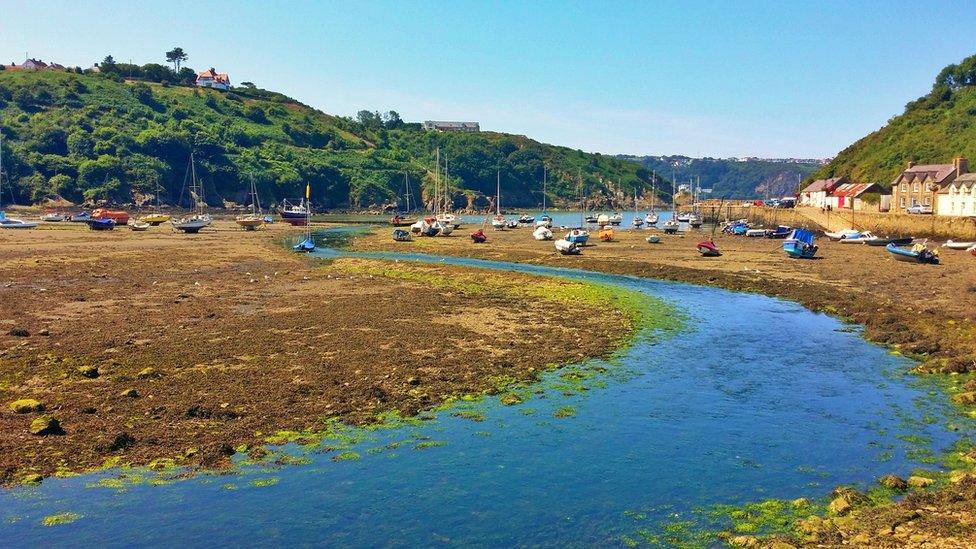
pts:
[249, 85]
[108, 64]
[176, 56]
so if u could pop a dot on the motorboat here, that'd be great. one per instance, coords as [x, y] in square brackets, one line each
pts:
[80, 217]
[755, 233]
[708, 249]
[577, 236]
[616, 218]
[138, 226]
[952, 245]
[119, 216]
[401, 236]
[781, 231]
[918, 253]
[567, 247]
[479, 237]
[13, 223]
[684, 217]
[54, 217]
[799, 244]
[101, 224]
[861, 238]
[542, 233]
[591, 219]
[526, 219]
[840, 235]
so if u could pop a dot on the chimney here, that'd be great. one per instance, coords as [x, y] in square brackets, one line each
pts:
[911, 164]
[962, 165]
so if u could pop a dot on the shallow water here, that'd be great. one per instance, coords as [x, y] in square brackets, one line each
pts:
[755, 398]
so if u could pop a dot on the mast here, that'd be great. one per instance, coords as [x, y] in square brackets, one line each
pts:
[1, 169]
[498, 192]
[579, 176]
[437, 176]
[653, 189]
[544, 188]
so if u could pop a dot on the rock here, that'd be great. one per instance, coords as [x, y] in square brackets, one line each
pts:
[32, 479]
[44, 332]
[91, 372]
[811, 525]
[88, 410]
[743, 541]
[800, 502]
[966, 399]
[860, 539]
[893, 482]
[19, 332]
[956, 477]
[781, 545]
[413, 380]
[129, 393]
[26, 406]
[920, 482]
[121, 441]
[148, 373]
[841, 505]
[46, 425]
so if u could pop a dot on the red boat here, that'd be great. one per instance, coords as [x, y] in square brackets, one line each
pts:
[120, 217]
[479, 237]
[708, 249]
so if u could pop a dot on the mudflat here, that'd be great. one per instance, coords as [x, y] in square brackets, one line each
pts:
[156, 345]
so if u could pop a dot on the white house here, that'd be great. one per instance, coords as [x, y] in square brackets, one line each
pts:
[212, 79]
[815, 194]
[451, 126]
[959, 197]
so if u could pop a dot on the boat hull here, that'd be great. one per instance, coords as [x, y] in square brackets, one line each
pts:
[103, 224]
[250, 223]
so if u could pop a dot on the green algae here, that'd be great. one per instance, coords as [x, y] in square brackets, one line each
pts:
[262, 482]
[469, 414]
[565, 411]
[423, 445]
[60, 519]
[346, 456]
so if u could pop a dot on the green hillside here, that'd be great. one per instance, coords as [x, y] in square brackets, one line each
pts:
[89, 137]
[933, 129]
[731, 178]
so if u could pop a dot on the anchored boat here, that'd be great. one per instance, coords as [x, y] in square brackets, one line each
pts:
[919, 253]
[308, 244]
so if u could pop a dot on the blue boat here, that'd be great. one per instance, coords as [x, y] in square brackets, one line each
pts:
[916, 254]
[779, 232]
[739, 229]
[577, 236]
[800, 244]
[307, 245]
[82, 217]
[101, 224]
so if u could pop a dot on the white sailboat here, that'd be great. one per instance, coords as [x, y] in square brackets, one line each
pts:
[638, 221]
[671, 225]
[253, 220]
[498, 222]
[545, 220]
[7, 222]
[448, 220]
[193, 223]
[651, 218]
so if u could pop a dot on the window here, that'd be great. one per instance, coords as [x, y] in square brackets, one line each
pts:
[915, 186]
[904, 187]
[926, 201]
[902, 202]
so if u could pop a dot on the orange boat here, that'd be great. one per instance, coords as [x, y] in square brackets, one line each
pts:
[120, 217]
[606, 234]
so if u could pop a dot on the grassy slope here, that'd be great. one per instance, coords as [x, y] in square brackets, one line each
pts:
[110, 140]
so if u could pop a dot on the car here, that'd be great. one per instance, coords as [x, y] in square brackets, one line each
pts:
[919, 209]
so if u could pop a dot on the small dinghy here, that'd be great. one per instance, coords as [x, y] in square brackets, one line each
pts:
[155, 219]
[918, 253]
[840, 235]
[671, 226]
[53, 217]
[653, 239]
[952, 245]
[306, 245]
[120, 217]
[512, 224]
[11, 223]
[606, 234]
[542, 233]
[779, 232]
[577, 236]
[401, 236]
[755, 233]
[544, 221]
[101, 224]
[139, 226]
[616, 219]
[708, 249]
[866, 236]
[566, 247]
[526, 219]
[799, 245]
[479, 237]
[885, 241]
[81, 217]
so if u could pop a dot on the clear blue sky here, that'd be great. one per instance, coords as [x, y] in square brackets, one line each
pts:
[720, 78]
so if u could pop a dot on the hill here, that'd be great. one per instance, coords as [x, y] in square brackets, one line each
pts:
[96, 137]
[934, 129]
[732, 178]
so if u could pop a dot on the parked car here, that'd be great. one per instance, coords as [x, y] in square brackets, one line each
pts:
[919, 209]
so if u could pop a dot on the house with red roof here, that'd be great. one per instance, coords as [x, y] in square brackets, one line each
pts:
[920, 184]
[212, 79]
[815, 194]
[849, 195]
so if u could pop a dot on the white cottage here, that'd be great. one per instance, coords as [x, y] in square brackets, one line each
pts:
[212, 79]
[959, 197]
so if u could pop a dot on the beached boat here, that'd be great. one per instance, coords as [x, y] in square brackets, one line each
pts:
[479, 237]
[526, 219]
[308, 243]
[606, 234]
[101, 224]
[683, 217]
[616, 218]
[861, 238]
[918, 253]
[653, 239]
[448, 220]
[708, 249]
[603, 220]
[156, 217]
[54, 217]
[577, 236]
[255, 219]
[840, 235]
[401, 236]
[566, 247]
[953, 245]
[139, 226]
[13, 223]
[295, 214]
[544, 221]
[755, 233]
[542, 233]
[695, 220]
[80, 217]
[781, 231]
[650, 219]
[638, 221]
[499, 223]
[119, 216]
[192, 224]
[897, 241]
[799, 244]
[445, 228]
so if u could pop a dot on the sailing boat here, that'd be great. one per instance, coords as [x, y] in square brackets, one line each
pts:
[398, 219]
[498, 222]
[638, 220]
[254, 219]
[671, 225]
[156, 218]
[308, 244]
[448, 220]
[695, 218]
[578, 236]
[193, 224]
[651, 218]
[545, 220]
[6, 222]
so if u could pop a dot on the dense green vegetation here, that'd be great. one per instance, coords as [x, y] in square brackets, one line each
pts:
[934, 129]
[99, 137]
[730, 178]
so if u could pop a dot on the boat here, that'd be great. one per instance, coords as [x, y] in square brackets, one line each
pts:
[972, 251]
[638, 221]
[442, 203]
[192, 224]
[512, 224]
[308, 243]
[650, 219]
[139, 226]
[119, 216]
[544, 221]
[448, 220]
[577, 236]
[400, 221]
[526, 219]
[498, 222]
[295, 214]
[840, 235]
[694, 217]
[799, 245]
[427, 226]
[616, 218]
[444, 229]
[567, 247]
[694, 220]
[781, 231]
[591, 219]
[603, 220]
[542, 233]
[255, 219]
[684, 217]
[708, 249]
[12, 223]
[918, 253]
[755, 233]
[54, 217]
[156, 218]
[879, 241]
[80, 217]
[671, 226]
[101, 224]
[479, 237]
[952, 245]
[401, 236]
[653, 239]
[606, 234]
[861, 238]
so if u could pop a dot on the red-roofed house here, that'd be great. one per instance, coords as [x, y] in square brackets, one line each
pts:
[815, 194]
[849, 195]
[919, 184]
[212, 79]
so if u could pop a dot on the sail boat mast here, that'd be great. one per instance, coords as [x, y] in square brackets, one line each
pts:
[498, 192]
[544, 174]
